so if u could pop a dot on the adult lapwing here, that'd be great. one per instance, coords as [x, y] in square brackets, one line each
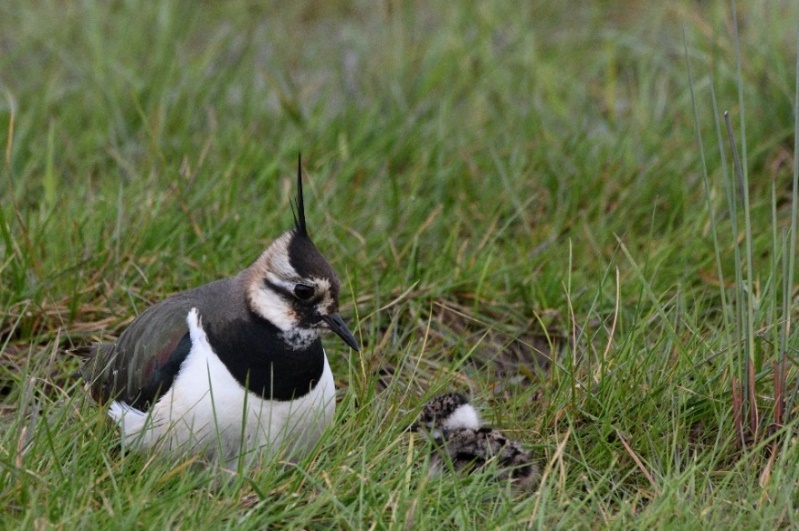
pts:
[233, 366]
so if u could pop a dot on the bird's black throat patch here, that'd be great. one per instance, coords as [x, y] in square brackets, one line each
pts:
[259, 359]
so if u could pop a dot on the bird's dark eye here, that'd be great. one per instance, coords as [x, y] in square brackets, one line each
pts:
[303, 292]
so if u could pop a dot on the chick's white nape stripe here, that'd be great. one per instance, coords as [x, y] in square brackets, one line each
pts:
[464, 417]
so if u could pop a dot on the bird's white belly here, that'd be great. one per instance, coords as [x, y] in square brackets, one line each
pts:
[207, 410]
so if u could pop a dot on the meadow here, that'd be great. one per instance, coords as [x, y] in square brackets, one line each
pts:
[539, 204]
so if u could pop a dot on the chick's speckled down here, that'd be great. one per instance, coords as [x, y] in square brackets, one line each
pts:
[460, 441]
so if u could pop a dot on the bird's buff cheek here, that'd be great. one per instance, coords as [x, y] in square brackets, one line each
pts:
[272, 307]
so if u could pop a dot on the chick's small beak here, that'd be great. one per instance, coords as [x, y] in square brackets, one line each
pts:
[337, 325]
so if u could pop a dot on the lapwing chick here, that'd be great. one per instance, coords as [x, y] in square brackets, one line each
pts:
[460, 440]
[234, 366]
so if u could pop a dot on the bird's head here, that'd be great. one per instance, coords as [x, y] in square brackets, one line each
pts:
[292, 286]
[450, 411]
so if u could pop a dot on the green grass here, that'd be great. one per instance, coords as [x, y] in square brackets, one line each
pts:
[493, 182]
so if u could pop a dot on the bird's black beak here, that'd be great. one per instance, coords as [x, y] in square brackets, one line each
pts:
[337, 325]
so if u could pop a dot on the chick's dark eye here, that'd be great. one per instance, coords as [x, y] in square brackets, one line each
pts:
[303, 292]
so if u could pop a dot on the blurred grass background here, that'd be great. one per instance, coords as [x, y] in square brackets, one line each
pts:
[513, 196]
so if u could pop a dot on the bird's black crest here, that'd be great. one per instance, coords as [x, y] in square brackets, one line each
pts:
[299, 215]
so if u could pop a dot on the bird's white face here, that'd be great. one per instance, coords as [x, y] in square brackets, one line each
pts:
[300, 299]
